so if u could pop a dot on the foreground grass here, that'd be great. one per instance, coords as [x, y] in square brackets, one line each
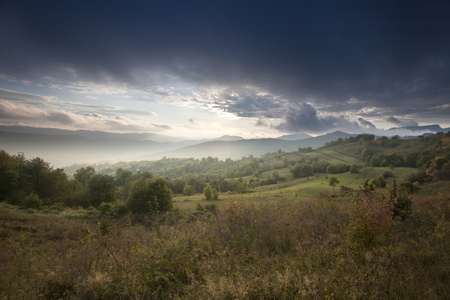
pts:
[278, 248]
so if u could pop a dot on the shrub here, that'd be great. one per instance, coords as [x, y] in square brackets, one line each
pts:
[208, 192]
[215, 194]
[401, 201]
[338, 168]
[379, 182]
[370, 217]
[354, 169]
[188, 190]
[388, 174]
[32, 201]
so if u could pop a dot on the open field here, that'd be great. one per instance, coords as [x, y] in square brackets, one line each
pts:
[303, 188]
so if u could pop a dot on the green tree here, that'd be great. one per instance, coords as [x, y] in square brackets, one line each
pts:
[354, 169]
[83, 175]
[333, 181]
[188, 190]
[8, 175]
[149, 196]
[208, 192]
[101, 188]
[40, 178]
[123, 176]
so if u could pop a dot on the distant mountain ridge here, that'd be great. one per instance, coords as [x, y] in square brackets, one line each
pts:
[294, 137]
[256, 147]
[92, 134]
[431, 128]
[64, 147]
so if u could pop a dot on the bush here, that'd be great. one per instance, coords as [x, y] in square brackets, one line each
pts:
[401, 202]
[370, 217]
[208, 192]
[188, 190]
[338, 168]
[379, 182]
[32, 201]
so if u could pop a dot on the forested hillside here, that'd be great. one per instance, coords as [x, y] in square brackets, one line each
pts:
[22, 177]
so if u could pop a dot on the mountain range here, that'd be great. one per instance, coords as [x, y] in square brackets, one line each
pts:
[64, 147]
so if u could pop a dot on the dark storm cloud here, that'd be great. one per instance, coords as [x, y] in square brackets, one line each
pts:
[366, 124]
[395, 54]
[302, 117]
[398, 122]
[249, 101]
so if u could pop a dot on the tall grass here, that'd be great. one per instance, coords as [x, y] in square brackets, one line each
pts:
[282, 249]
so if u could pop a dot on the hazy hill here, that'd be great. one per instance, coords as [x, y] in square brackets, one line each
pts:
[92, 134]
[255, 147]
[64, 147]
[296, 136]
[63, 150]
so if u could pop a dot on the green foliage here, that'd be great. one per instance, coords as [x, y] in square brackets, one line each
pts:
[319, 166]
[379, 182]
[123, 176]
[83, 175]
[354, 169]
[9, 175]
[208, 192]
[101, 189]
[333, 181]
[32, 201]
[112, 209]
[439, 168]
[149, 196]
[301, 170]
[188, 190]
[401, 201]
[338, 168]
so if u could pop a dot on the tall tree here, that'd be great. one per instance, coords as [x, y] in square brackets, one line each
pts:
[8, 175]
[333, 181]
[101, 188]
[83, 175]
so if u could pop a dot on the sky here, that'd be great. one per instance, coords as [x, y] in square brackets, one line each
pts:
[203, 69]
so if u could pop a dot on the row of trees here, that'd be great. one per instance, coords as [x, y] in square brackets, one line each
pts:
[421, 157]
[32, 183]
[300, 170]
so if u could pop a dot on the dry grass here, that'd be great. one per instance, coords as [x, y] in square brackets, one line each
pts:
[282, 249]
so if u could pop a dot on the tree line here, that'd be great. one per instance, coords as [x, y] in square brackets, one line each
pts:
[33, 182]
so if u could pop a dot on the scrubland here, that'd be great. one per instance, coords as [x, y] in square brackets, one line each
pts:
[235, 248]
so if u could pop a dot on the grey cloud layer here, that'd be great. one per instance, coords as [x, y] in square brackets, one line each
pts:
[392, 55]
